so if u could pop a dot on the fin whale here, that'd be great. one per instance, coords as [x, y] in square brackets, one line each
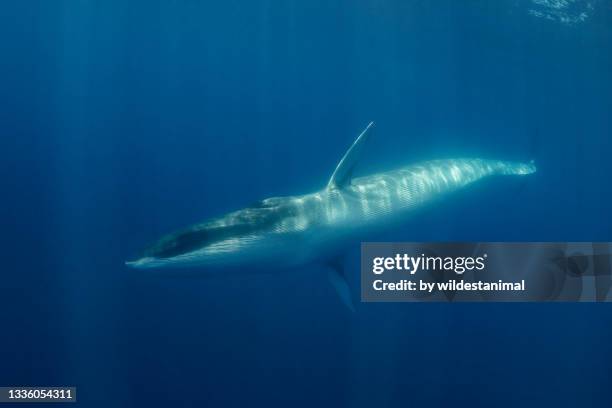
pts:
[290, 231]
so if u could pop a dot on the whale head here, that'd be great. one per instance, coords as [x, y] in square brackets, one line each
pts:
[245, 236]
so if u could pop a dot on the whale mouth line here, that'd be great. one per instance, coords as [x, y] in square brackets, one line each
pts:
[141, 262]
[261, 216]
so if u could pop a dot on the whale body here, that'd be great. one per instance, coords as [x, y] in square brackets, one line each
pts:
[291, 231]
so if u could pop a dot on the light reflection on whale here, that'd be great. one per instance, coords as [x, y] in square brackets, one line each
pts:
[290, 231]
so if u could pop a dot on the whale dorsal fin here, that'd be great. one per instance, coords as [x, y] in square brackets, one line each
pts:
[344, 171]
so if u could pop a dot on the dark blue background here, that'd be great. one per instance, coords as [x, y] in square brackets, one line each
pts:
[123, 120]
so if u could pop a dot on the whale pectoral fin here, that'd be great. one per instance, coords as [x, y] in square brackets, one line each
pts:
[344, 171]
[338, 281]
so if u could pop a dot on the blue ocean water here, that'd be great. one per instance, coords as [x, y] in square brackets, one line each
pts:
[123, 120]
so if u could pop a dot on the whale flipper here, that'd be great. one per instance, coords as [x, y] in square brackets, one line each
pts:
[344, 171]
[338, 281]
